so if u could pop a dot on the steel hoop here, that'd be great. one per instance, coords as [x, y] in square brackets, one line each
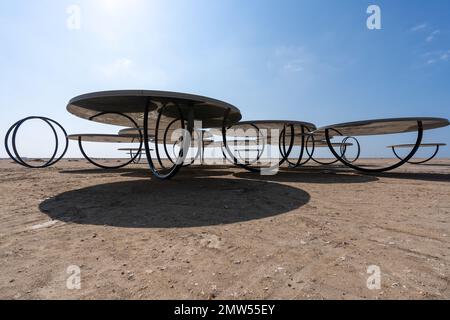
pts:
[176, 142]
[138, 159]
[177, 166]
[378, 170]
[311, 155]
[260, 151]
[418, 162]
[18, 159]
[90, 160]
[236, 161]
[302, 150]
[344, 149]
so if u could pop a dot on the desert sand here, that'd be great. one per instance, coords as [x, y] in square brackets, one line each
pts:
[223, 233]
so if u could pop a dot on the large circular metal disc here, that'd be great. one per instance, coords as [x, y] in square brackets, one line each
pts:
[243, 128]
[112, 138]
[277, 124]
[133, 103]
[130, 149]
[134, 132]
[384, 126]
[323, 144]
[422, 145]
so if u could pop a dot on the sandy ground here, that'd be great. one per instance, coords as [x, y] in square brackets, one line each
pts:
[222, 233]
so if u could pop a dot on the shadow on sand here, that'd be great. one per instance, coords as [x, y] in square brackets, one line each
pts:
[191, 172]
[183, 202]
[307, 176]
[434, 177]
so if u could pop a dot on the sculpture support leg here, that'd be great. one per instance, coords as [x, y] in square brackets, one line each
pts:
[418, 162]
[378, 170]
[244, 166]
[302, 151]
[90, 160]
[311, 154]
[344, 149]
[172, 171]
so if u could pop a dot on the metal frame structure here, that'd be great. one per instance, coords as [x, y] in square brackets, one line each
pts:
[343, 150]
[18, 159]
[90, 160]
[436, 145]
[173, 170]
[132, 156]
[246, 166]
[139, 106]
[286, 154]
[260, 151]
[377, 170]
[199, 147]
[310, 138]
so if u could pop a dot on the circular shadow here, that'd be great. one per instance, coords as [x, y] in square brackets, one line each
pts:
[309, 177]
[187, 172]
[179, 203]
[191, 172]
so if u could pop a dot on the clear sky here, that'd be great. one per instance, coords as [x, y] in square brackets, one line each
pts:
[305, 60]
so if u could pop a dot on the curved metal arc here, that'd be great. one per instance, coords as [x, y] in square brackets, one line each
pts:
[418, 162]
[80, 144]
[138, 159]
[302, 151]
[17, 158]
[54, 152]
[344, 149]
[6, 142]
[176, 167]
[378, 170]
[311, 155]
[260, 151]
[21, 161]
[198, 154]
[236, 161]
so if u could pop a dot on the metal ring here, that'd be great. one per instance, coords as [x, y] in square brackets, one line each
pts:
[311, 155]
[80, 144]
[260, 151]
[176, 142]
[138, 159]
[177, 166]
[302, 150]
[344, 149]
[378, 170]
[18, 159]
[418, 162]
[236, 161]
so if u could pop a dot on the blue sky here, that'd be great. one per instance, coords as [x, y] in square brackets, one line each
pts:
[304, 60]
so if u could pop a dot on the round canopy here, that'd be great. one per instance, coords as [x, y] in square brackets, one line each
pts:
[423, 145]
[131, 149]
[134, 133]
[102, 138]
[133, 102]
[276, 124]
[383, 126]
[323, 144]
[250, 128]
